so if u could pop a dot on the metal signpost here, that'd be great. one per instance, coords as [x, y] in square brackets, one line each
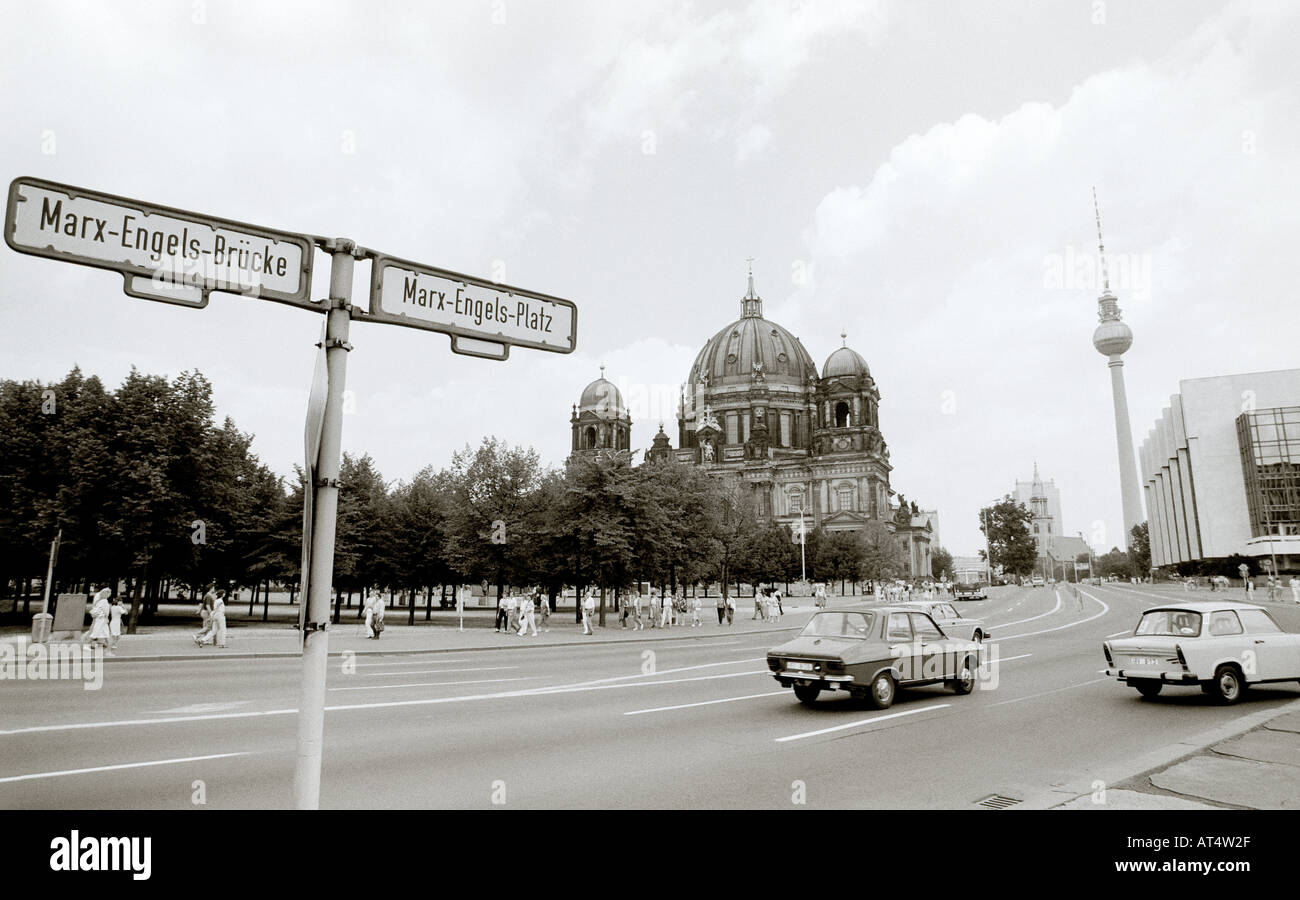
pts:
[179, 257]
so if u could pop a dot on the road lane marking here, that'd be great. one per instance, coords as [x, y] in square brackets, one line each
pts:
[157, 762]
[1118, 633]
[637, 712]
[382, 687]
[205, 707]
[424, 671]
[1104, 610]
[1054, 609]
[861, 722]
[1068, 687]
[391, 704]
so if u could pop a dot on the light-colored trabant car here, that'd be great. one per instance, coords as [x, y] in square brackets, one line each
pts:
[953, 623]
[870, 652]
[1222, 647]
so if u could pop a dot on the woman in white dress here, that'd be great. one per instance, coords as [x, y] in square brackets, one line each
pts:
[219, 619]
[99, 619]
[115, 610]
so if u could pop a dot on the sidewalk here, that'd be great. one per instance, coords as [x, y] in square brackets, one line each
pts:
[1252, 763]
[258, 641]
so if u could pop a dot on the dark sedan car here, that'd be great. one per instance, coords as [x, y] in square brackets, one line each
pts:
[870, 653]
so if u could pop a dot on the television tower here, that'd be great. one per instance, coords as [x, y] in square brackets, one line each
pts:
[1112, 339]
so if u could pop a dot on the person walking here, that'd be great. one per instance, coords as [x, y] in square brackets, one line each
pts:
[115, 610]
[760, 601]
[527, 618]
[502, 616]
[588, 611]
[731, 610]
[656, 603]
[666, 610]
[544, 610]
[219, 619]
[780, 609]
[695, 611]
[371, 612]
[820, 594]
[205, 612]
[637, 624]
[722, 608]
[99, 619]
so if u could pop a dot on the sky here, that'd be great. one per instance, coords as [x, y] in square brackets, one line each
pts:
[918, 175]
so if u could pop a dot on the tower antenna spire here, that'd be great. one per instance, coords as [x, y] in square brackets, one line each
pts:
[1101, 246]
[750, 261]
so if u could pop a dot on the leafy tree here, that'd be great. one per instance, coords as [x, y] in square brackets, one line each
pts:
[881, 557]
[1139, 550]
[1005, 525]
[1116, 562]
[941, 563]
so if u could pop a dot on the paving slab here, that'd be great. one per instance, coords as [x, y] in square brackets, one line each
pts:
[1130, 800]
[1281, 747]
[1256, 785]
[1289, 722]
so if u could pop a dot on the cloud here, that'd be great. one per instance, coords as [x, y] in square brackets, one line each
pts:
[938, 261]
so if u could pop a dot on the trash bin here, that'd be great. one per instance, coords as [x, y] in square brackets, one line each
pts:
[41, 623]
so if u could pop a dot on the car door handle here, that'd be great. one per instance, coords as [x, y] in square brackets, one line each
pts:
[1259, 641]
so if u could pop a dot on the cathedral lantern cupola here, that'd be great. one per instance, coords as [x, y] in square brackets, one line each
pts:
[847, 397]
[600, 422]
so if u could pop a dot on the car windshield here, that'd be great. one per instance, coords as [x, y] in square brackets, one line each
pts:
[840, 624]
[1170, 623]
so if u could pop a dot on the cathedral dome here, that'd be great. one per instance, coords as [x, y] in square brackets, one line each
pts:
[845, 362]
[602, 398]
[752, 345]
[731, 354]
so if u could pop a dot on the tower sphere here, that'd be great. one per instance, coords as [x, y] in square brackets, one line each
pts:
[1112, 337]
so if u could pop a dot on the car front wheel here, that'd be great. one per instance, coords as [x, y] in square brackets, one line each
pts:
[807, 693]
[882, 691]
[1148, 687]
[1228, 685]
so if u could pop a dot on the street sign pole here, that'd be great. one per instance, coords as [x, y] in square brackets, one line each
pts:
[315, 634]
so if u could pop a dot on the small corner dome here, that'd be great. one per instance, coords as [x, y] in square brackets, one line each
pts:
[845, 362]
[602, 398]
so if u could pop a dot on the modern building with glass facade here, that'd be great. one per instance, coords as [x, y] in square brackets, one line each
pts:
[1221, 471]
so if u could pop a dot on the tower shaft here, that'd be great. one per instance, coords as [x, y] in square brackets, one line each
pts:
[1128, 480]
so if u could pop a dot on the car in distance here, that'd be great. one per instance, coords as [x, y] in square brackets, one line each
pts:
[1037, 581]
[1222, 647]
[970, 590]
[870, 652]
[953, 623]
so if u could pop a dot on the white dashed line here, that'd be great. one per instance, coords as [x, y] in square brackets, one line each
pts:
[157, 762]
[861, 722]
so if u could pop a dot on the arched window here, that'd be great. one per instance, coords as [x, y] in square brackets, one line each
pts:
[589, 438]
[841, 415]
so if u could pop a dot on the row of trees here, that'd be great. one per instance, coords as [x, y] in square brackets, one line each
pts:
[148, 490]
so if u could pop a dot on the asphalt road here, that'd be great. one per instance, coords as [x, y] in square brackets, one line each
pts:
[697, 723]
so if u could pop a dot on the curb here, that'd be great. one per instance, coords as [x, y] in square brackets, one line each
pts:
[178, 657]
[1156, 759]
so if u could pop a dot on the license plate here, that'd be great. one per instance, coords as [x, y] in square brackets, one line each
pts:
[801, 667]
[1147, 661]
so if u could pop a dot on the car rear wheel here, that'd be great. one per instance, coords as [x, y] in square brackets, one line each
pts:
[882, 691]
[1228, 685]
[807, 693]
[1148, 687]
[964, 683]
